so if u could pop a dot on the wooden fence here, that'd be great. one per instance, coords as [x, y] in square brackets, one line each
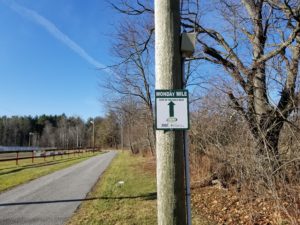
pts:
[18, 155]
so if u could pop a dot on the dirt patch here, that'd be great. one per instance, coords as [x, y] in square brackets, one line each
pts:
[150, 165]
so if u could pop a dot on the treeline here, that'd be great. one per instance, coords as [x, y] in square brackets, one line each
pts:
[56, 131]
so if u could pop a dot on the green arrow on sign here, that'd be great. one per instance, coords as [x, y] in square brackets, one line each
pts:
[171, 109]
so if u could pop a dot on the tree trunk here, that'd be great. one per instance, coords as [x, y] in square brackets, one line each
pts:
[267, 139]
[150, 139]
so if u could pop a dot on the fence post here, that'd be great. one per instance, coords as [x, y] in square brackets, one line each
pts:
[17, 159]
[32, 156]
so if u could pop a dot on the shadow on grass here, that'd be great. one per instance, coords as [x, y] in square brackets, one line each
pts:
[38, 165]
[148, 196]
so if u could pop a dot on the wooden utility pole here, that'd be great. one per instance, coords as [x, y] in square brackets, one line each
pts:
[169, 145]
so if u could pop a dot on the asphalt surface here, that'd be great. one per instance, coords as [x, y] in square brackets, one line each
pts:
[51, 200]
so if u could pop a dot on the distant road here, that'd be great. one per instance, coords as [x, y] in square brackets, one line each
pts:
[51, 200]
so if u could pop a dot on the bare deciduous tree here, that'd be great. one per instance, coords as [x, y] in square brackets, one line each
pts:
[133, 75]
[255, 33]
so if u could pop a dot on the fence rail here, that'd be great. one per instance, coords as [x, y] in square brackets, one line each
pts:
[23, 148]
[17, 155]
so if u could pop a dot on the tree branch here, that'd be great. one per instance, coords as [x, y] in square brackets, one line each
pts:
[284, 45]
[130, 10]
[220, 40]
[230, 67]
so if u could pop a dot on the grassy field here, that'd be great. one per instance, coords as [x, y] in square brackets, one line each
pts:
[12, 175]
[126, 194]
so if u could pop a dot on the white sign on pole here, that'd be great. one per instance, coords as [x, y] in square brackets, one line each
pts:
[172, 111]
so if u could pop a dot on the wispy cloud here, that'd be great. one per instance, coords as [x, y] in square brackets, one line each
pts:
[55, 32]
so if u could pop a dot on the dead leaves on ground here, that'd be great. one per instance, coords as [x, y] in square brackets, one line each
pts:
[229, 208]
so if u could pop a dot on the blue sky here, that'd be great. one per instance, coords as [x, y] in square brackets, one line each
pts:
[49, 52]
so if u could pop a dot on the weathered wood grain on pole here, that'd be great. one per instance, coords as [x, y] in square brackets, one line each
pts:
[169, 145]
